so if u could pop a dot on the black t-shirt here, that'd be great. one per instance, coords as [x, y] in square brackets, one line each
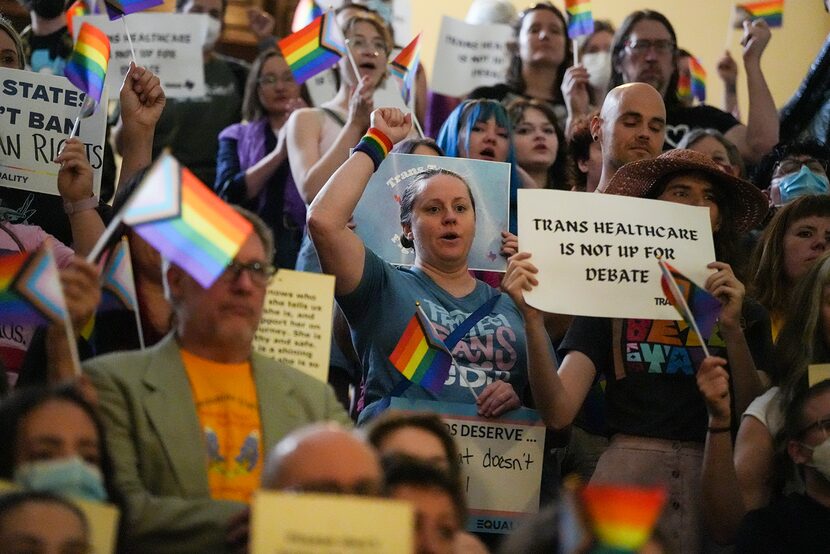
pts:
[650, 366]
[681, 120]
[795, 523]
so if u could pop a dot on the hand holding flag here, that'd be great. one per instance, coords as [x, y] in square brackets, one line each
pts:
[699, 309]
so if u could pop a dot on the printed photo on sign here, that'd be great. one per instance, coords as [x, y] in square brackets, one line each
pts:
[377, 216]
[37, 112]
[168, 44]
[500, 459]
[597, 253]
[469, 56]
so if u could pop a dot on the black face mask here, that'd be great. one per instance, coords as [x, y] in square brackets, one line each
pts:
[47, 9]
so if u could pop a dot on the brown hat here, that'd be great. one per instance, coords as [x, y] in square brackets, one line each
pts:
[748, 205]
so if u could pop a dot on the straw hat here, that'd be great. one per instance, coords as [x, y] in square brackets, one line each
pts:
[748, 205]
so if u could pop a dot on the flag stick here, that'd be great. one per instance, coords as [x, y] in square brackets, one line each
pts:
[730, 30]
[129, 38]
[678, 294]
[354, 64]
[415, 121]
[576, 51]
[73, 346]
[105, 238]
[129, 259]
[76, 125]
[464, 379]
[138, 326]
[417, 124]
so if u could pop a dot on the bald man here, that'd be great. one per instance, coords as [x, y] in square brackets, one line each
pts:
[631, 126]
[323, 458]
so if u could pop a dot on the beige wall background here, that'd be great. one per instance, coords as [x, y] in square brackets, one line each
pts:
[701, 27]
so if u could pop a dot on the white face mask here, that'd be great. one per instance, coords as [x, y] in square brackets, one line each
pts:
[214, 29]
[821, 457]
[598, 65]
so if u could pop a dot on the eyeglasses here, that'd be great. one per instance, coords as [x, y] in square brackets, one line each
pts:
[793, 165]
[359, 43]
[822, 425]
[259, 272]
[271, 80]
[641, 46]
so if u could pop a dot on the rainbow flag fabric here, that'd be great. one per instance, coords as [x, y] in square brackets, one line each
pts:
[120, 8]
[314, 48]
[684, 86]
[404, 67]
[305, 12]
[117, 282]
[622, 517]
[580, 18]
[698, 79]
[699, 309]
[185, 221]
[30, 289]
[78, 8]
[421, 356]
[87, 66]
[772, 12]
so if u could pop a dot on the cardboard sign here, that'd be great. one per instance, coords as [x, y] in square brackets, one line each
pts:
[283, 523]
[597, 253]
[469, 56]
[377, 216]
[37, 112]
[501, 461]
[102, 519]
[296, 321]
[169, 45]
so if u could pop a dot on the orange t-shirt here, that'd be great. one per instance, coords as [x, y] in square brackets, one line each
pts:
[228, 410]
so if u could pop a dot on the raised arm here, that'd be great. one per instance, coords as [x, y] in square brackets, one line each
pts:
[75, 187]
[310, 167]
[557, 392]
[760, 135]
[341, 252]
[142, 101]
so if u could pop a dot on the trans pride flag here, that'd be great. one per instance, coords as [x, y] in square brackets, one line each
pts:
[30, 289]
[87, 66]
[185, 221]
[421, 356]
[314, 48]
[580, 18]
[405, 66]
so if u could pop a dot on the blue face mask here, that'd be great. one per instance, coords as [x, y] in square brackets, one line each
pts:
[65, 476]
[803, 183]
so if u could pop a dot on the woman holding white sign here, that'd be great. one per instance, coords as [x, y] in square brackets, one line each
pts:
[438, 219]
[655, 413]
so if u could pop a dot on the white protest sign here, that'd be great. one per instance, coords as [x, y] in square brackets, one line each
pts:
[168, 44]
[469, 56]
[597, 253]
[377, 216]
[37, 112]
[296, 321]
[402, 20]
[500, 458]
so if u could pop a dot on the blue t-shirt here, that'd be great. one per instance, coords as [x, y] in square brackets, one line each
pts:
[383, 304]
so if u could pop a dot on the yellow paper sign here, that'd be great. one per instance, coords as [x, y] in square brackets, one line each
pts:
[817, 373]
[283, 523]
[102, 519]
[296, 321]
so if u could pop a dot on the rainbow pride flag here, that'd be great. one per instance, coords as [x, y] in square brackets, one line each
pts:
[78, 8]
[30, 289]
[698, 79]
[684, 86]
[87, 66]
[699, 309]
[305, 12]
[120, 8]
[314, 48]
[622, 517]
[405, 67]
[420, 355]
[772, 11]
[185, 221]
[580, 18]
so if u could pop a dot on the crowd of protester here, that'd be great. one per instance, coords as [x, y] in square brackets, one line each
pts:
[179, 434]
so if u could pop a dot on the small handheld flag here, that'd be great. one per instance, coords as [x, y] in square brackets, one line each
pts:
[30, 289]
[771, 11]
[306, 12]
[421, 356]
[120, 8]
[684, 87]
[117, 282]
[698, 79]
[580, 18]
[699, 309]
[405, 66]
[87, 66]
[78, 8]
[314, 48]
[623, 517]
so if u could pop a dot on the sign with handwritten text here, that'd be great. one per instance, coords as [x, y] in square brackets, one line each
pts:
[168, 44]
[597, 253]
[37, 112]
[501, 461]
[296, 321]
[469, 56]
[329, 524]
